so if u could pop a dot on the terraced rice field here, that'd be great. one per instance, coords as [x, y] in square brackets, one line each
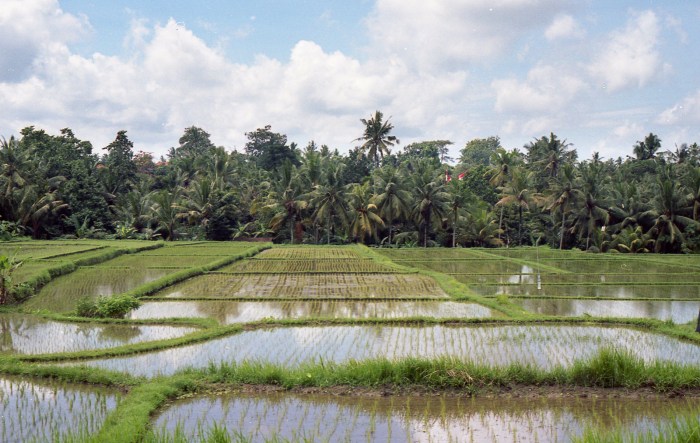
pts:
[541, 346]
[307, 286]
[40, 410]
[612, 282]
[403, 419]
[26, 334]
[301, 307]
[229, 312]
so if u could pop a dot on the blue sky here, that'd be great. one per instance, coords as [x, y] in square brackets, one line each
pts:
[600, 74]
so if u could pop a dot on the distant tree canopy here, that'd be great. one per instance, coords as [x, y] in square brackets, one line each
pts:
[55, 186]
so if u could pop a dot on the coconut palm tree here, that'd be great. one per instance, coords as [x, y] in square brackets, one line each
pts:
[459, 201]
[666, 219]
[376, 137]
[430, 201]
[329, 199]
[564, 193]
[518, 191]
[365, 220]
[392, 199]
[288, 200]
[165, 211]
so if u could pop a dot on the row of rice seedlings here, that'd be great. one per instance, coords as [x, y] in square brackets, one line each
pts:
[544, 347]
[27, 334]
[24, 252]
[140, 261]
[211, 248]
[430, 253]
[229, 312]
[614, 291]
[677, 311]
[473, 267]
[594, 278]
[439, 419]
[254, 266]
[42, 411]
[307, 286]
[62, 293]
[310, 253]
[617, 266]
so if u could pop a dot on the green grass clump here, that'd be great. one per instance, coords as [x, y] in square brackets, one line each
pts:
[683, 429]
[115, 306]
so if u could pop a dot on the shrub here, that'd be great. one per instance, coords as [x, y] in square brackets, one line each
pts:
[116, 306]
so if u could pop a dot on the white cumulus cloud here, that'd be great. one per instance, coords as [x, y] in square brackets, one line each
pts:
[631, 57]
[564, 26]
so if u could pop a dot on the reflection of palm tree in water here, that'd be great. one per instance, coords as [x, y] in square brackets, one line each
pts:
[5, 333]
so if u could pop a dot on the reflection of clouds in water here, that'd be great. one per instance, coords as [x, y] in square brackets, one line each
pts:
[429, 419]
[678, 311]
[26, 334]
[229, 312]
[61, 408]
[541, 346]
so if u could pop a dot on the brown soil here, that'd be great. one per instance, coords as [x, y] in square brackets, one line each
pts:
[514, 391]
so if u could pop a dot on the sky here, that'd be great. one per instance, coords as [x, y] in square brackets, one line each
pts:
[600, 74]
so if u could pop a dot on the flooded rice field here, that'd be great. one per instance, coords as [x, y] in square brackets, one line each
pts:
[27, 334]
[228, 312]
[306, 286]
[541, 346]
[676, 292]
[63, 293]
[317, 417]
[41, 410]
[678, 311]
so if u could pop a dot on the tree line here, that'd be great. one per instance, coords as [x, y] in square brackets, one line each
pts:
[55, 186]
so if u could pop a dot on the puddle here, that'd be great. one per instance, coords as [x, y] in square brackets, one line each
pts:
[541, 346]
[678, 292]
[63, 293]
[677, 311]
[416, 419]
[307, 285]
[44, 411]
[227, 312]
[26, 334]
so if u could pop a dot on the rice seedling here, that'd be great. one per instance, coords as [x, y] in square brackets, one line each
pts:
[307, 286]
[26, 334]
[678, 311]
[34, 410]
[431, 419]
[228, 312]
[257, 266]
[611, 291]
[543, 347]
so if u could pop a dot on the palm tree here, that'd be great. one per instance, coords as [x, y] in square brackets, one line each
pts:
[376, 137]
[430, 201]
[692, 184]
[502, 163]
[564, 194]
[393, 201]
[288, 200]
[35, 208]
[196, 207]
[481, 228]
[667, 223]
[460, 198]
[517, 191]
[14, 165]
[594, 210]
[365, 220]
[165, 211]
[646, 149]
[329, 199]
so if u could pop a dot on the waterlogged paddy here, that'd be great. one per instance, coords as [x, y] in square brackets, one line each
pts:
[228, 312]
[33, 410]
[63, 293]
[417, 419]
[542, 346]
[26, 334]
[674, 310]
[676, 292]
[306, 286]
[308, 266]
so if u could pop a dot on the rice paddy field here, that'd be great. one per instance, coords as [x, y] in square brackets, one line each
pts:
[239, 341]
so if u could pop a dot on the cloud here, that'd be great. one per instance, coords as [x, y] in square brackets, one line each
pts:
[631, 57]
[432, 34]
[547, 89]
[687, 111]
[563, 26]
[28, 26]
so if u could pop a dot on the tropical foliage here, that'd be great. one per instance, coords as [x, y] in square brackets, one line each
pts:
[55, 186]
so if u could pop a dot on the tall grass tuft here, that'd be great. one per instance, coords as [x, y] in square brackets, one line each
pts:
[610, 368]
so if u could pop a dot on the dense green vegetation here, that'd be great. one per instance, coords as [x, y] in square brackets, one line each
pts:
[55, 186]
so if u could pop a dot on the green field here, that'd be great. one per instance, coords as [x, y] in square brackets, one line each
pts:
[229, 335]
